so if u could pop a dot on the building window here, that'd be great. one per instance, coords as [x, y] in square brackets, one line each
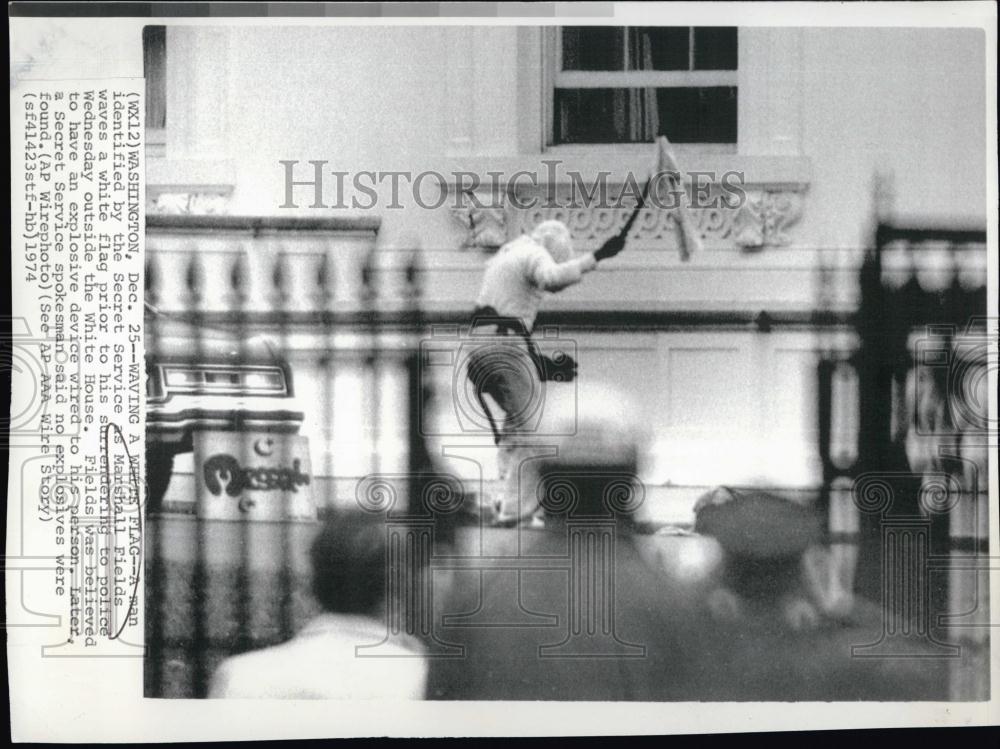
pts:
[631, 84]
[154, 64]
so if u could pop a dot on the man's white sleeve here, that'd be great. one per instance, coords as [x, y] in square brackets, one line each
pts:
[552, 276]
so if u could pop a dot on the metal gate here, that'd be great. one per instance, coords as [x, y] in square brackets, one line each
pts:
[228, 571]
[907, 487]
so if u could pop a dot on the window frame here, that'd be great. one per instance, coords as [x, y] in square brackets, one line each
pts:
[552, 73]
[156, 137]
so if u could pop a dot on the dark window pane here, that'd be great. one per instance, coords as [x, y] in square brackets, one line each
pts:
[637, 115]
[715, 48]
[593, 48]
[591, 115]
[698, 115]
[154, 65]
[659, 48]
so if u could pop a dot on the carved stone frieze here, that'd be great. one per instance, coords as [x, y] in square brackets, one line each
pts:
[187, 202]
[761, 219]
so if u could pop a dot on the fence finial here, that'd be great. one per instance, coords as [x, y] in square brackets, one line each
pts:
[194, 278]
[281, 277]
[324, 280]
[368, 276]
[152, 280]
[239, 279]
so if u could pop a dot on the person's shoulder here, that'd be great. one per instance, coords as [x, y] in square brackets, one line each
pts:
[525, 253]
[236, 676]
[253, 673]
[521, 246]
[321, 667]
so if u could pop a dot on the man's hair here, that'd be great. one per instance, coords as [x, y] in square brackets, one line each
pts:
[547, 233]
[349, 563]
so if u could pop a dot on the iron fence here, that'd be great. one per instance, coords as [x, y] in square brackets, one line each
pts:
[905, 436]
[218, 583]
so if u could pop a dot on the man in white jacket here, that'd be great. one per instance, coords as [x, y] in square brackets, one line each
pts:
[508, 366]
[519, 276]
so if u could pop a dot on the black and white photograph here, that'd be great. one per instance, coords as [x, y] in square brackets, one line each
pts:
[573, 352]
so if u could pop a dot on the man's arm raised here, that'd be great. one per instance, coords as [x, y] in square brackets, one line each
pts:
[552, 276]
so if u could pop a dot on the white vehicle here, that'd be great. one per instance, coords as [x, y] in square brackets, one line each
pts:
[206, 378]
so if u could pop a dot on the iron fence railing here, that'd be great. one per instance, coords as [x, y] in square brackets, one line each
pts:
[219, 584]
[904, 439]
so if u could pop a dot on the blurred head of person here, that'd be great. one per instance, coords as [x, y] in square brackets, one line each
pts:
[554, 236]
[349, 564]
[767, 540]
[595, 469]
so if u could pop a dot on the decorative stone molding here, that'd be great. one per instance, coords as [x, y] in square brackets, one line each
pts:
[486, 228]
[762, 220]
[190, 202]
[757, 211]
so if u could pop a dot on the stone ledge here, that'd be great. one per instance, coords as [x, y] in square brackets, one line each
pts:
[263, 224]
